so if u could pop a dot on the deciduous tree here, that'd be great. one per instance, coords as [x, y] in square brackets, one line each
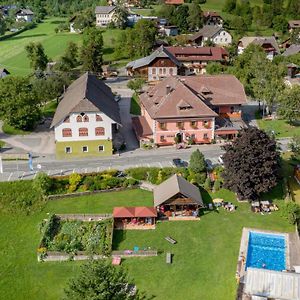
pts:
[99, 280]
[251, 164]
[197, 162]
[36, 55]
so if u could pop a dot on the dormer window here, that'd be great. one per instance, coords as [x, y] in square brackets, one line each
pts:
[205, 91]
[79, 118]
[183, 105]
[85, 118]
[98, 118]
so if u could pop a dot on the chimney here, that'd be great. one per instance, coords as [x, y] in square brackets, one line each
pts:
[168, 90]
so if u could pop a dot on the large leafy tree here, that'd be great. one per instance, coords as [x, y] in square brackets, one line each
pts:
[2, 24]
[289, 104]
[84, 20]
[99, 280]
[121, 14]
[36, 55]
[19, 105]
[181, 17]
[69, 59]
[195, 18]
[197, 162]
[92, 50]
[251, 164]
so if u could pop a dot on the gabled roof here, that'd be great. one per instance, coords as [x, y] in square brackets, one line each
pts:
[259, 40]
[4, 70]
[207, 31]
[293, 49]
[161, 52]
[208, 14]
[198, 53]
[163, 100]
[104, 9]
[25, 11]
[174, 185]
[134, 212]
[87, 94]
[141, 126]
[294, 24]
[272, 284]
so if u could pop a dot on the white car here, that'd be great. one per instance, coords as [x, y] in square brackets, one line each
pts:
[220, 160]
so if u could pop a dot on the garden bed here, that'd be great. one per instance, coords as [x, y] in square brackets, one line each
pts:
[76, 238]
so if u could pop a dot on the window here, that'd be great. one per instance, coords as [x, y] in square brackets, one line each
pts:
[68, 150]
[205, 136]
[171, 71]
[163, 126]
[85, 118]
[193, 124]
[193, 136]
[154, 71]
[83, 131]
[67, 119]
[162, 138]
[99, 131]
[164, 71]
[67, 132]
[85, 149]
[179, 124]
[98, 118]
[160, 71]
[79, 118]
[100, 148]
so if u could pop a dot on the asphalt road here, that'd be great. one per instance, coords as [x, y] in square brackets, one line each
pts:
[14, 170]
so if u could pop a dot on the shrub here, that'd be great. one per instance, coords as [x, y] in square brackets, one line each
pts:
[197, 162]
[200, 178]
[74, 180]
[207, 184]
[217, 185]
[138, 173]
[42, 183]
[291, 211]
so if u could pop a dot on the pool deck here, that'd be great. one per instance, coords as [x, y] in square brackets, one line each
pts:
[292, 256]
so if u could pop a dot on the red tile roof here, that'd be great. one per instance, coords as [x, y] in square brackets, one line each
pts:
[198, 53]
[134, 212]
[176, 2]
[141, 126]
[165, 99]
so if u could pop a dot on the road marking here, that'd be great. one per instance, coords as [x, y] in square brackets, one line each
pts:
[148, 165]
[8, 179]
[160, 165]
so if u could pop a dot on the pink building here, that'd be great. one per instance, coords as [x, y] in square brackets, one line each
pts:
[194, 109]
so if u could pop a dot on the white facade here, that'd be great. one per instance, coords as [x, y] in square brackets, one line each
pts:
[91, 126]
[103, 20]
[222, 38]
[22, 17]
[157, 73]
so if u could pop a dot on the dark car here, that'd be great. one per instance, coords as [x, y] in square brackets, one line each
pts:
[179, 163]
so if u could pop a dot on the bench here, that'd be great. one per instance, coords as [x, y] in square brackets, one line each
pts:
[169, 258]
[170, 240]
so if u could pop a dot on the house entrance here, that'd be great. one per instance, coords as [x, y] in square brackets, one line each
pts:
[179, 137]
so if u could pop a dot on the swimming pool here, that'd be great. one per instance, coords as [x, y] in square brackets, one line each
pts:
[266, 251]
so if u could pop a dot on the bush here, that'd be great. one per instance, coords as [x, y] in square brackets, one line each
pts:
[42, 183]
[200, 178]
[74, 180]
[217, 185]
[197, 162]
[291, 211]
[207, 184]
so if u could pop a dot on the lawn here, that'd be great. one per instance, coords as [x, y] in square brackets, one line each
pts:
[281, 128]
[204, 258]
[13, 55]
[8, 129]
[49, 109]
[135, 108]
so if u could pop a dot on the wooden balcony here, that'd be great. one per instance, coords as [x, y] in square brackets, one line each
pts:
[233, 115]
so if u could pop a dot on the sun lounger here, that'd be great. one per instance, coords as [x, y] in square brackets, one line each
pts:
[169, 258]
[170, 240]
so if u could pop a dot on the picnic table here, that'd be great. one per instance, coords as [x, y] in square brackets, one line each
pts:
[169, 258]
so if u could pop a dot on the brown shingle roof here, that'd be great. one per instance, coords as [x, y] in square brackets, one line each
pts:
[87, 94]
[174, 185]
[198, 92]
[141, 126]
[259, 40]
[207, 14]
[198, 53]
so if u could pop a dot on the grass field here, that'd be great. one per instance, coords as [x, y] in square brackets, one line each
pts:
[13, 55]
[135, 108]
[204, 259]
[281, 128]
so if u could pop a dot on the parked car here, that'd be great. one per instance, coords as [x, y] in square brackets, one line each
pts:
[179, 163]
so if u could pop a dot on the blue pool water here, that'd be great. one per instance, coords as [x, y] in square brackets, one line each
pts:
[266, 251]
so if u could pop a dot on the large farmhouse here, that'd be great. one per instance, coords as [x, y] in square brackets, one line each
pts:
[86, 119]
[172, 61]
[195, 109]
[104, 15]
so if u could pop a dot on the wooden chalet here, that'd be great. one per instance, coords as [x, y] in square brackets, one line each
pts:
[140, 217]
[178, 199]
